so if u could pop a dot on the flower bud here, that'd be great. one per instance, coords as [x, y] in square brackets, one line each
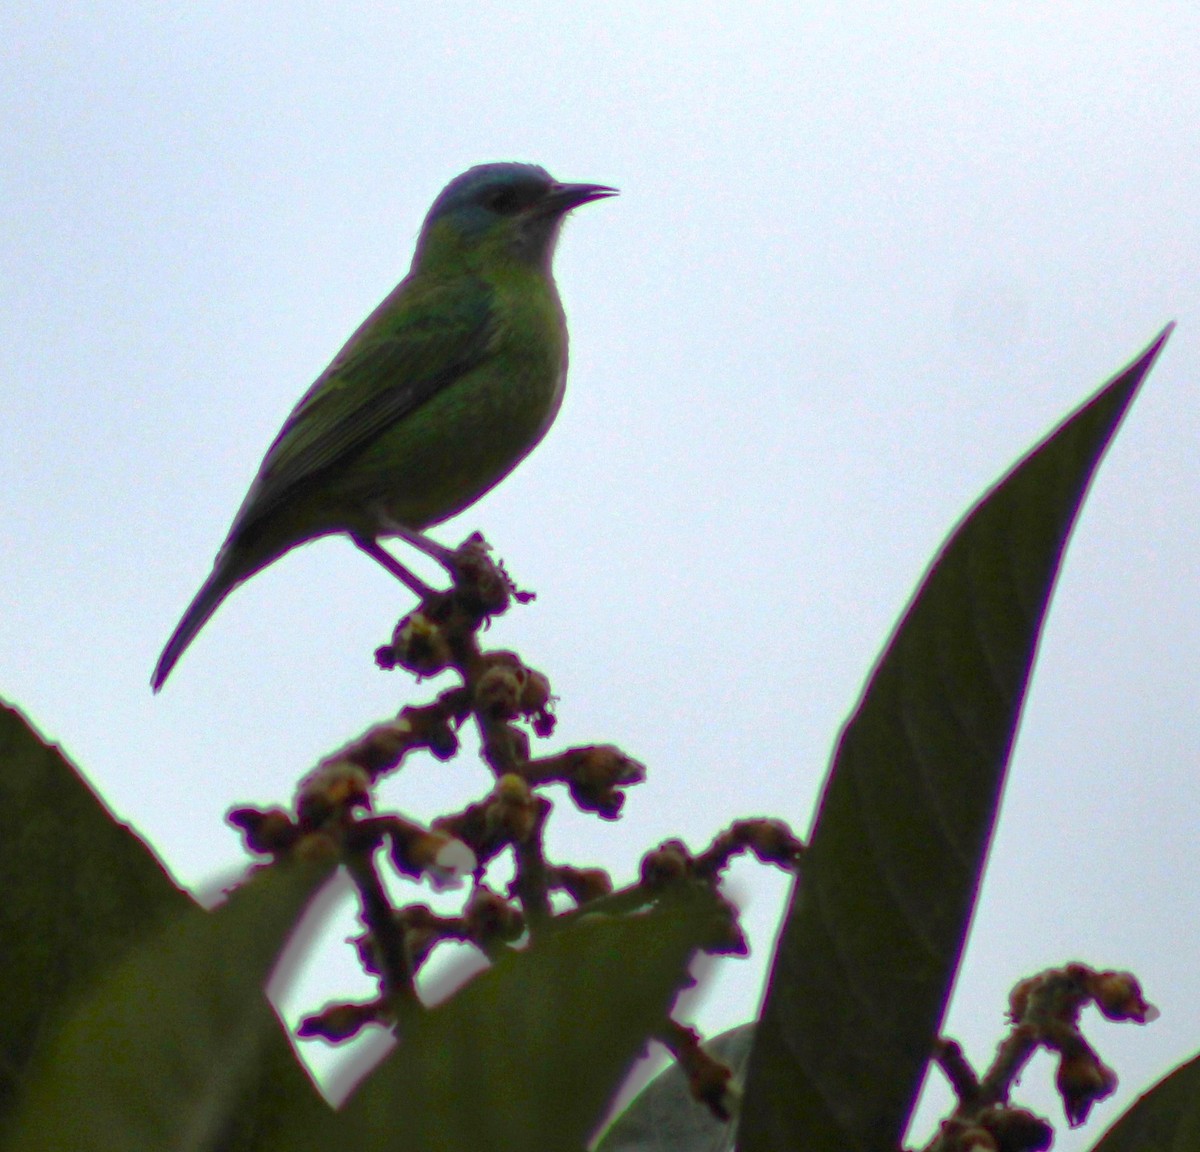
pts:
[512, 812]
[498, 690]
[332, 787]
[535, 693]
[488, 916]
[267, 833]
[1017, 1130]
[1119, 996]
[316, 848]
[420, 645]
[1082, 1080]
[668, 863]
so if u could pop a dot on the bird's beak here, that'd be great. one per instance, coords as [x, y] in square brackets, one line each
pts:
[561, 198]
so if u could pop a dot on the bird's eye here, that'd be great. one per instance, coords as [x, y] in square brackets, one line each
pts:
[504, 200]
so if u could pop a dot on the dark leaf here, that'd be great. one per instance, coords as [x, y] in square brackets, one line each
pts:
[1165, 1119]
[77, 889]
[177, 1047]
[877, 923]
[526, 1057]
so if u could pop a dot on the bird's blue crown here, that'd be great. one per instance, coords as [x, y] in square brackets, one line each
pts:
[489, 190]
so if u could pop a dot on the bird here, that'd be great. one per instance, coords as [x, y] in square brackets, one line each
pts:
[437, 396]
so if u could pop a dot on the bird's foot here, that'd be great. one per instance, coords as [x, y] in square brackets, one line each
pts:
[480, 584]
[483, 579]
[427, 639]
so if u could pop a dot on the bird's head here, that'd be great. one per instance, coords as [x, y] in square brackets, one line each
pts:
[514, 209]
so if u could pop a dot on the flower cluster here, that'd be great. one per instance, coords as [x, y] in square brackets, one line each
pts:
[1044, 1012]
[511, 704]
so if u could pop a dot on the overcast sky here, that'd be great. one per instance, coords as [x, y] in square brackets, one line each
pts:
[860, 262]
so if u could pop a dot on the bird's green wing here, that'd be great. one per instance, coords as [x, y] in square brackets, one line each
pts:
[419, 340]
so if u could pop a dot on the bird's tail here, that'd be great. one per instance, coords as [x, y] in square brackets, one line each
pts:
[206, 602]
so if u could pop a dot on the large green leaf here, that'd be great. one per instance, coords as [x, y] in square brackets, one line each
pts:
[1165, 1119]
[526, 1057]
[665, 1116]
[877, 923]
[77, 888]
[177, 1047]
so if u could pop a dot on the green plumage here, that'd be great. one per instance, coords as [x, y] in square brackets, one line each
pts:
[440, 393]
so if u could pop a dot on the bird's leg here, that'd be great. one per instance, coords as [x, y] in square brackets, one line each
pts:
[377, 553]
[439, 552]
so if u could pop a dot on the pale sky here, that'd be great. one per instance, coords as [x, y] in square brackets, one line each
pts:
[863, 257]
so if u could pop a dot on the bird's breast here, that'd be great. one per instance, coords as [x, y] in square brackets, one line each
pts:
[468, 436]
